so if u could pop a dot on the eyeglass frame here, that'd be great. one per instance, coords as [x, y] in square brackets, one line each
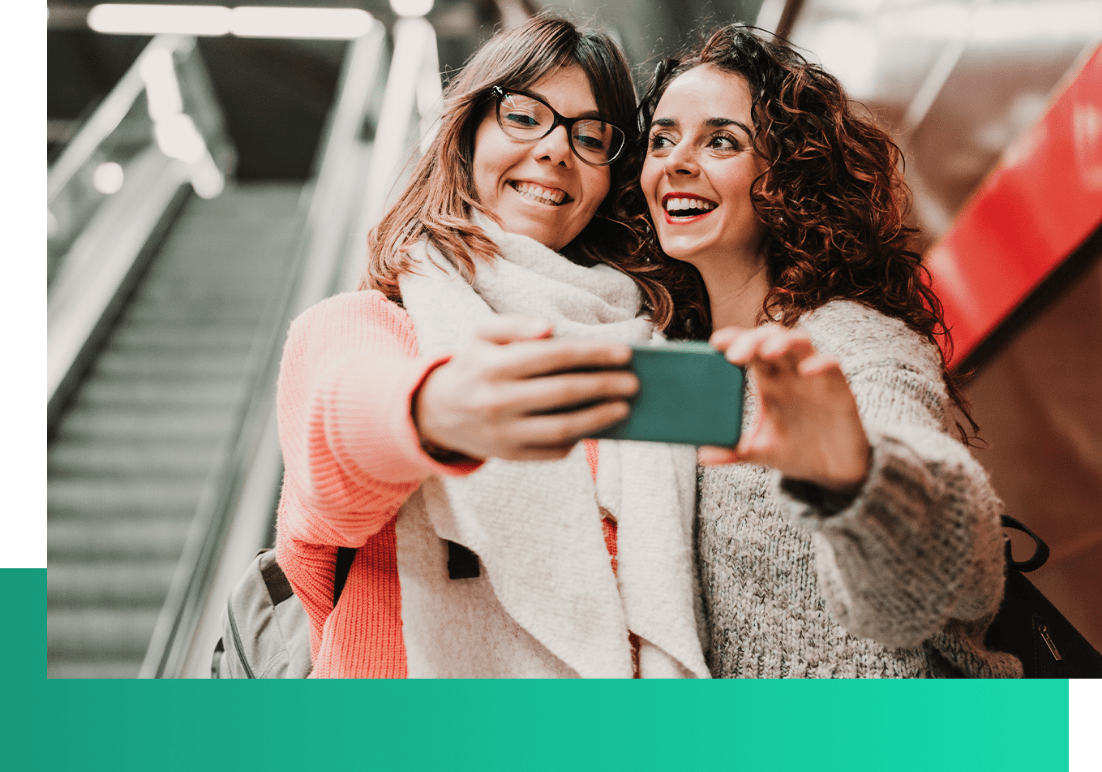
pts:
[499, 94]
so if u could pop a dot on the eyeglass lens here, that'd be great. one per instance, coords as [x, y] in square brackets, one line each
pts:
[525, 118]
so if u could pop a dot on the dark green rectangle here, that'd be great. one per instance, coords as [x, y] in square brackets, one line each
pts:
[688, 393]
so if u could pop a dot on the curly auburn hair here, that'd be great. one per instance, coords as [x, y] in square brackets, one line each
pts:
[437, 200]
[832, 197]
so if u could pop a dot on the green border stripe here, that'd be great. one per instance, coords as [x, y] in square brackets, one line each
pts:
[509, 725]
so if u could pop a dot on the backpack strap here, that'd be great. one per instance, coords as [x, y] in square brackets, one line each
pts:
[1040, 549]
[462, 564]
[345, 556]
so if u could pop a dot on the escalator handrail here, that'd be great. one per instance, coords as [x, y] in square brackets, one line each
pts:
[108, 115]
[313, 271]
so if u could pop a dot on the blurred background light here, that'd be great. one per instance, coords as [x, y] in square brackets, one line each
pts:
[848, 50]
[178, 138]
[244, 21]
[108, 178]
[411, 7]
[328, 23]
[162, 88]
[153, 19]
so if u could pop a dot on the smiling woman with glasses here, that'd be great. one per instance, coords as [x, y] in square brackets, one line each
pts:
[499, 295]
[526, 117]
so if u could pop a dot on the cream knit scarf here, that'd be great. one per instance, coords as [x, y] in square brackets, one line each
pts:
[547, 602]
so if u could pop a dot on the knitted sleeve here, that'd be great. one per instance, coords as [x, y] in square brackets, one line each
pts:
[350, 450]
[921, 543]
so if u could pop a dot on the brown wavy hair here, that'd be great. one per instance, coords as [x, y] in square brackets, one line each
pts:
[437, 201]
[832, 197]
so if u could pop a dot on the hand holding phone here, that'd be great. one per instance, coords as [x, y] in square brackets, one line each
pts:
[513, 392]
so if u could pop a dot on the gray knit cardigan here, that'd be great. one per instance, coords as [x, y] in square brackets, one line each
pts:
[904, 581]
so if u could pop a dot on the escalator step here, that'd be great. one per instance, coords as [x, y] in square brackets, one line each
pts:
[129, 459]
[182, 364]
[94, 497]
[93, 668]
[207, 421]
[109, 583]
[110, 633]
[144, 394]
[114, 539]
[149, 338]
[115, 459]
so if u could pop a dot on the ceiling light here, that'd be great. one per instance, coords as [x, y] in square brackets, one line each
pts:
[245, 21]
[333, 23]
[153, 19]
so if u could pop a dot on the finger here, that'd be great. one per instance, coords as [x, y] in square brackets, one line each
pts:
[725, 336]
[780, 353]
[562, 391]
[745, 346]
[542, 357]
[553, 453]
[818, 364]
[710, 455]
[510, 328]
[557, 429]
[786, 344]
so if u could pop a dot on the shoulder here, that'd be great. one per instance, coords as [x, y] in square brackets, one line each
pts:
[356, 309]
[363, 304]
[352, 321]
[859, 336]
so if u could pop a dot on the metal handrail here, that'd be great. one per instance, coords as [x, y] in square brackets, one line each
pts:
[230, 505]
[104, 120]
[101, 263]
[413, 86]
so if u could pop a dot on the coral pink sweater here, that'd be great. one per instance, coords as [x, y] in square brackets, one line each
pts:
[352, 457]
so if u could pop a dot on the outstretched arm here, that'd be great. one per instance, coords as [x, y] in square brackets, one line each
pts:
[904, 521]
[364, 420]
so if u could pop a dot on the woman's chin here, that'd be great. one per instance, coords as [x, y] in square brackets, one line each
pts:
[683, 253]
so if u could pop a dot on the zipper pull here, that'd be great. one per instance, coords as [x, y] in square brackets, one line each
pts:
[1043, 630]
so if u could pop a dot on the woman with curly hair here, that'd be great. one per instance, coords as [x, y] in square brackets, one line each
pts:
[848, 534]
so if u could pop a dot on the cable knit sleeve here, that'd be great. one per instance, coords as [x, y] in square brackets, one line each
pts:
[350, 450]
[921, 543]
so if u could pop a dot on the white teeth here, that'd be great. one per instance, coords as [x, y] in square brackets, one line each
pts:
[677, 204]
[539, 193]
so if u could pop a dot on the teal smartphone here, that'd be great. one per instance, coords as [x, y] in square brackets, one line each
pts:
[688, 393]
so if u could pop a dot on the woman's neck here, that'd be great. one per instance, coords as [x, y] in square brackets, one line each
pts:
[736, 291]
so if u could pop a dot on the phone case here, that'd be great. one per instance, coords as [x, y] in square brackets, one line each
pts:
[688, 393]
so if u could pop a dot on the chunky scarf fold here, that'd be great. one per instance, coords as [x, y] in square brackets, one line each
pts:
[547, 602]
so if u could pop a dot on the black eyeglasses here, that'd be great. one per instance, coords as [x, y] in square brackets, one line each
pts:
[528, 118]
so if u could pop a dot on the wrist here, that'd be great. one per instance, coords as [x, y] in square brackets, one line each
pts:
[428, 440]
[444, 455]
[827, 501]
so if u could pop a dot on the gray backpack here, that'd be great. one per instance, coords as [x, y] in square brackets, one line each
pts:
[265, 630]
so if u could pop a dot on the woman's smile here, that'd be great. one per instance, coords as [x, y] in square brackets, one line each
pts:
[541, 194]
[685, 208]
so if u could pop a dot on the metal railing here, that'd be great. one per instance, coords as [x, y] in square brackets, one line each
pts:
[114, 189]
[360, 169]
[237, 505]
